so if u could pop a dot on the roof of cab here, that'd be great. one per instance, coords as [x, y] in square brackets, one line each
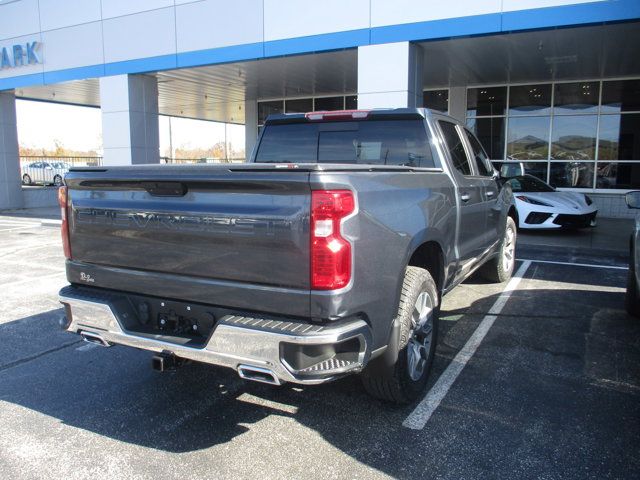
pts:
[348, 115]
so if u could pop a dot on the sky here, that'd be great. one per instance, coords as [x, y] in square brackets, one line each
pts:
[41, 124]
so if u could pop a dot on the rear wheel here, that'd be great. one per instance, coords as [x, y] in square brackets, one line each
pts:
[26, 179]
[500, 268]
[404, 378]
[57, 180]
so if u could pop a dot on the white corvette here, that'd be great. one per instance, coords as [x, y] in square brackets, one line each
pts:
[540, 206]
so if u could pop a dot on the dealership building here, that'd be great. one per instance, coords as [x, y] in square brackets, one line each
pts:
[551, 87]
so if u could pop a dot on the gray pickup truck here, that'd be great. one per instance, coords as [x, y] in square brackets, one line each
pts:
[327, 254]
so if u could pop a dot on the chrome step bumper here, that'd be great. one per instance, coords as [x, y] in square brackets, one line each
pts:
[237, 342]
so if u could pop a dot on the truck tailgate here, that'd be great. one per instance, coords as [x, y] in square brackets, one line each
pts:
[215, 223]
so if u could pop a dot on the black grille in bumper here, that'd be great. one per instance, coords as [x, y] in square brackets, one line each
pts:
[575, 221]
[536, 218]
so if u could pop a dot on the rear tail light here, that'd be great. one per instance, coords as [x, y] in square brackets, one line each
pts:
[63, 201]
[330, 252]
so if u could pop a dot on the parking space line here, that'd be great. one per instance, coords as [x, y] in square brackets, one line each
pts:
[423, 411]
[13, 229]
[615, 267]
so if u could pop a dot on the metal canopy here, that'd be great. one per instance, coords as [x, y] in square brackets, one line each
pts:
[218, 92]
[562, 54]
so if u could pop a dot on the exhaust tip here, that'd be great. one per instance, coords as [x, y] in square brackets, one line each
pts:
[94, 338]
[258, 374]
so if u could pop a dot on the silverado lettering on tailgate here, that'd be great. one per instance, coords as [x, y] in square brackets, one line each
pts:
[241, 226]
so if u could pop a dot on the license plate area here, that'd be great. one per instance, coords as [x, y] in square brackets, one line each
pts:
[180, 322]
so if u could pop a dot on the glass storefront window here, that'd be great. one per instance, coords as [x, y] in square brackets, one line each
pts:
[486, 101]
[528, 138]
[579, 97]
[620, 96]
[618, 175]
[571, 174]
[619, 137]
[490, 132]
[298, 105]
[437, 100]
[573, 137]
[329, 103]
[530, 100]
[269, 108]
[580, 134]
[351, 102]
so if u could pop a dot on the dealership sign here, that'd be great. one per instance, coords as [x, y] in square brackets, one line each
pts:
[20, 55]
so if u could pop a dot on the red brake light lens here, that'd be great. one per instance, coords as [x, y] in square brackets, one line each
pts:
[63, 201]
[330, 252]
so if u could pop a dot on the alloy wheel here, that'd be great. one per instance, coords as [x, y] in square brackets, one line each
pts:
[419, 344]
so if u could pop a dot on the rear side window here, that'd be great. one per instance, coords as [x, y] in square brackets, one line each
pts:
[456, 147]
[481, 158]
[370, 142]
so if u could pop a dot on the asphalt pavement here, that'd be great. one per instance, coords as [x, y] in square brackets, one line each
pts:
[550, 390]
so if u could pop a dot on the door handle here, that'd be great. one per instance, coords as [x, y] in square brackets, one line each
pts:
[465, 197]
[490, 193]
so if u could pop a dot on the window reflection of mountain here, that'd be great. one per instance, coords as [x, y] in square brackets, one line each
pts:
[528, 147]
[573, 147]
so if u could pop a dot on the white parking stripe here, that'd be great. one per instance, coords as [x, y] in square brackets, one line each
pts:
[423, 411]
[615, 267]
[19, 228]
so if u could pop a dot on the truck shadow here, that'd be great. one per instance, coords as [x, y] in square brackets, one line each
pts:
[114, 393]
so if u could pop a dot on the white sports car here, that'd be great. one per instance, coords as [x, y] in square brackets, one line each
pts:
[539, 205]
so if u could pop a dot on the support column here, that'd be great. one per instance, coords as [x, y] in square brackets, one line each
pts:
[458, 103]
[390, 75]
[250, 126]
[10, 182]
[130, 131]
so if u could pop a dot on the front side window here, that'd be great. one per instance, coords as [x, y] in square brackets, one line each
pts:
[455, 147]
[481, 158]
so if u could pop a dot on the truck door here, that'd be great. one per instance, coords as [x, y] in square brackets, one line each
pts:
[469, 188]
[490, 188]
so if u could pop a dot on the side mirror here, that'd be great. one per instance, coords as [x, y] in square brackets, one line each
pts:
[633, 199]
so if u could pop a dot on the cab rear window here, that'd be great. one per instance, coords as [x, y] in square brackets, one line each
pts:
[370, 142]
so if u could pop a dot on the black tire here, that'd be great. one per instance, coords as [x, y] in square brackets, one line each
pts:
[500, 268]
[391, 377]
[57, 180]
[26, 179]
[631, 299]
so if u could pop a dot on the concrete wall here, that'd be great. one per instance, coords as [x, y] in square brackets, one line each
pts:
[612, 205]
[38, 197]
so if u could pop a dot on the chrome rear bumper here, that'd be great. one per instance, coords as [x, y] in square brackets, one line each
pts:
[239, 342]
